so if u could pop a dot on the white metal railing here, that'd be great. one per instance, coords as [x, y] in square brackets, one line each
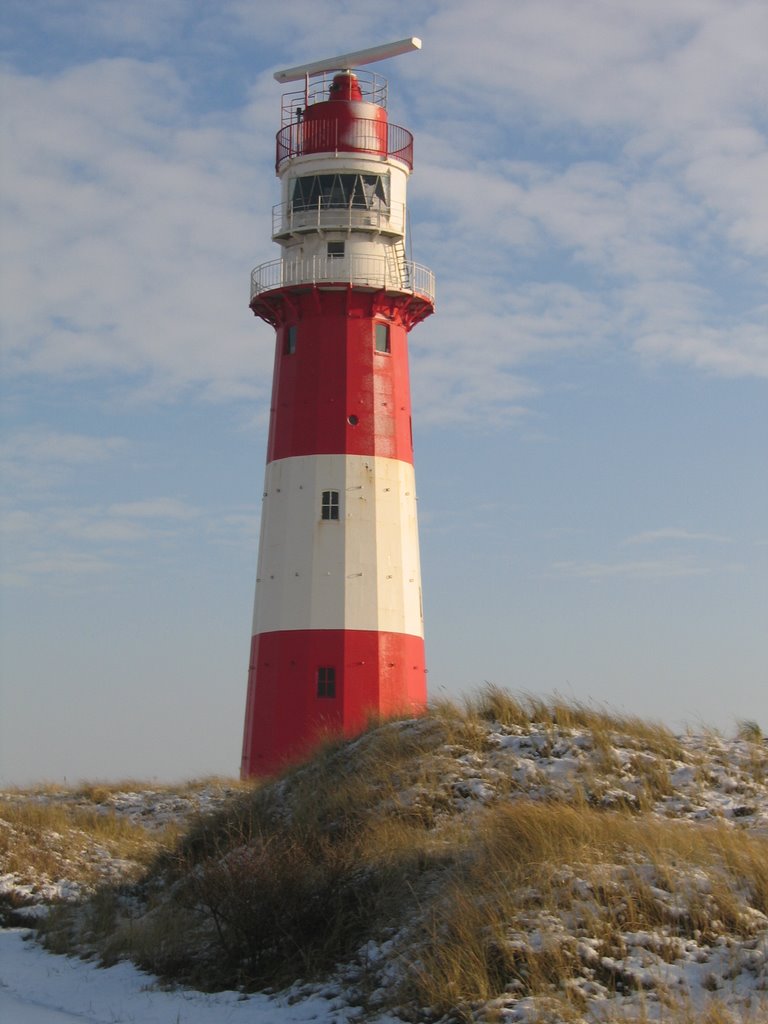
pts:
[365, 271]
[286, 219]
[327, 134]
[318, 88]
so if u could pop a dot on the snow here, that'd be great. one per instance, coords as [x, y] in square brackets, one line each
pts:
[703, 778]
[37, 987]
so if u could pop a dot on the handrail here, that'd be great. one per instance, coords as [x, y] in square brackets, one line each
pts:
[323, 216]
[362, 270]
[372, 86]
[324, 135]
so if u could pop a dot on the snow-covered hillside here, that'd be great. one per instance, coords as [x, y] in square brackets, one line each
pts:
[608, 869]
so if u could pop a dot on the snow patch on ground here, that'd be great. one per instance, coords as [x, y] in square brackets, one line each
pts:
[37, 987]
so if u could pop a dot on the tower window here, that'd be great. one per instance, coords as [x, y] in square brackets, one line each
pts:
[335, 250]
[340, 191]
[382, 337]
[329, 507]
[326, 681]
[290, 340]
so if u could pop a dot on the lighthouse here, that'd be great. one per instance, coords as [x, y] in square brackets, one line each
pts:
[338, 630]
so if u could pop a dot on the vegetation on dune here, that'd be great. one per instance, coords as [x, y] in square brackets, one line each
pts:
[82, 837]
[54, 840]
[449, 866]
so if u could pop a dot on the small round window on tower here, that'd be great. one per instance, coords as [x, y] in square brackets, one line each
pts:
[352, 420]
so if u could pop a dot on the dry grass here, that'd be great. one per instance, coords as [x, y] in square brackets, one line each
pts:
[290, 877]
[57, 841]
[750, 731]
[681, 1010]
[60, 841]
[532, 863]
[481, 902]
[493, 704]
[96, 790]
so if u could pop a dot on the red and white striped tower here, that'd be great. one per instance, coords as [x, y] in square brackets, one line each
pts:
[338, 627]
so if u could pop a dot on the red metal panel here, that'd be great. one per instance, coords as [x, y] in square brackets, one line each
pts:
[391, 140]
[336, 395]
[377, 673]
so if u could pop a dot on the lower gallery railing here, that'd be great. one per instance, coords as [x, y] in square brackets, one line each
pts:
[365, 271]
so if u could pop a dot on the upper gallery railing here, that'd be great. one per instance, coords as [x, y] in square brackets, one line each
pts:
[327, 135]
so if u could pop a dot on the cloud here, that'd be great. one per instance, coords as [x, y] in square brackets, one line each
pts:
[154, 508]
[48, 534]
[45, 536]
[650, 569]
[672, 533]
[62, 565]
[65, 540]
[41, 445]
[587, 175]
[473, 362]
[141, 26]
[35, 460]
[739, 352]
[131, 223]
[656, 198]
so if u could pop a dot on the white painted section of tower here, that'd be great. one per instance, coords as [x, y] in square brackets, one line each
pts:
[358, 241]
[372, 258]
[347, 163]
[358, 572]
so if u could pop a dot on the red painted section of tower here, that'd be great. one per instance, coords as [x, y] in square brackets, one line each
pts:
[344, 123]
[376, 673]
[336, 373]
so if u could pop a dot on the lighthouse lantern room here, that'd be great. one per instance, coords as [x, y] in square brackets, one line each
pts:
[338, 632]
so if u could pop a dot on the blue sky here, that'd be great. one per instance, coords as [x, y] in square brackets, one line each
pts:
[590, 409]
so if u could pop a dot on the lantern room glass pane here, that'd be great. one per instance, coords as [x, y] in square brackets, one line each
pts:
[340, 192]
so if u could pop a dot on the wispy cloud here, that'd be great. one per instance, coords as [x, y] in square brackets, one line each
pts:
[134, 216]
[131, 225]
[36, 460]
[42, 445]
[741, 351]
[154, 508]
[650, 569]
[673, 533]
[60, 565]
[66, 541]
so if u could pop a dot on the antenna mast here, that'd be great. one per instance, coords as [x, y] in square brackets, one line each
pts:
[350, 60]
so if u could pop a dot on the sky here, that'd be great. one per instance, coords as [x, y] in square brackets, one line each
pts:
[589, 401]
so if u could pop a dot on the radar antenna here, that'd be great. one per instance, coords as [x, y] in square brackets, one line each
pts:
[349, 60]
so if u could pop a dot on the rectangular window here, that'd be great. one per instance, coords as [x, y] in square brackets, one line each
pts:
[290, 340]
[326, 681]
[329, 508]
[382, 337]
[340, 191]
[335, 249]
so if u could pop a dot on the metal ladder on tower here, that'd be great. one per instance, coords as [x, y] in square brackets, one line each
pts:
[398, 267]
